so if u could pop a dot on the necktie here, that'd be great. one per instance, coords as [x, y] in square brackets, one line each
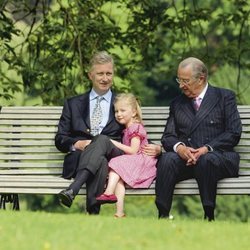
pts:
[197, 103]
[96, 117]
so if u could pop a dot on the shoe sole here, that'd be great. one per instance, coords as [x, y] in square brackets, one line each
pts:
[64, 200]
[106, 201]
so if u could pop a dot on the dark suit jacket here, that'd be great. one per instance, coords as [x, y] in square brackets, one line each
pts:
[217, 123]
[74, 125]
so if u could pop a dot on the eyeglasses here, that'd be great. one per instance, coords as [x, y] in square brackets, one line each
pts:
[186, 81]
[183, 81]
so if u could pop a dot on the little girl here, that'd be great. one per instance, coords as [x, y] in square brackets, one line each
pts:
[134, 168]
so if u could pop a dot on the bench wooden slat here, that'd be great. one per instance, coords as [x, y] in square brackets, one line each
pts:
[36, 171]
[29, 129]
[240, 191]
[39, 184]
[39, 171]
[55, 184]
[30, 116]
[31, 110]
[190, 183]
[11, 150]
[34, 139]
[29, 122]
[27, 143]
[33, 156]
[22, 165]
[37, 136]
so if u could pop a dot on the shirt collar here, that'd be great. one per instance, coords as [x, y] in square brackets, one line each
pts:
[202, 94]
[107, 96]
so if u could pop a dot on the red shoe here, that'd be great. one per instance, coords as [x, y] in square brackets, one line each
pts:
[105, 198]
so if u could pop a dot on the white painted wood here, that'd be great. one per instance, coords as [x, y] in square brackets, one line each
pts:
[30, 163]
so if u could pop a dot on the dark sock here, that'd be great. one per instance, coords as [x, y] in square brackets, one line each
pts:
[81, 178]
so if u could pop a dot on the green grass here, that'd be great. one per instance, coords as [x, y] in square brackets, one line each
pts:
[40, 230]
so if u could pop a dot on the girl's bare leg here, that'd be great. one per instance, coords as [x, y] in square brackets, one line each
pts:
[120, 194]
[112, 182]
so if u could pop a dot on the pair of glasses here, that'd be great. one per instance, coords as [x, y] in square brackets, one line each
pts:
[183, 81]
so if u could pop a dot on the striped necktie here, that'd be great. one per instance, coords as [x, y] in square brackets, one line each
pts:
[197, 103]
[96, 117]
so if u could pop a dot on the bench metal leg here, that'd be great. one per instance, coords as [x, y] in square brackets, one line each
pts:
[9, 198]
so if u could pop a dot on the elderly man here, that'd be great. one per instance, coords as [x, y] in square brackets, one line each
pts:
[199, 138]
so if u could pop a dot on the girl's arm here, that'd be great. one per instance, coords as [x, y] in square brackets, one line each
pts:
[132, 149]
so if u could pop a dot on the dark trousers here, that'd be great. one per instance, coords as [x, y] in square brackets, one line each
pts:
[95, 159]
[171, 169]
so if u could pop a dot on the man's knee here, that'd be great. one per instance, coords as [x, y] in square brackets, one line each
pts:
[209, 159]
[100, 138]
[102, 141]
[167, 162]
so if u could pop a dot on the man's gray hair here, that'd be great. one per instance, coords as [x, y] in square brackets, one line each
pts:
[198, 67]
[101, 57]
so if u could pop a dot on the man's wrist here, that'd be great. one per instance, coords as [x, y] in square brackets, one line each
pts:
[209, 148]
[178, 148]
[177, 144]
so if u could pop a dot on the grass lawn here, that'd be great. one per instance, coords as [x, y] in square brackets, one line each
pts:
[26, 230]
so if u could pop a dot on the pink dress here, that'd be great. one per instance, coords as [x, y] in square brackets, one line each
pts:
[137, 170]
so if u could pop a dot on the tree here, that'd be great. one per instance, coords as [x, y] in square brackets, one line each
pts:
[47, 44]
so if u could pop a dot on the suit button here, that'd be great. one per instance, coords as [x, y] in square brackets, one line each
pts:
[189, 139]
[88, 130]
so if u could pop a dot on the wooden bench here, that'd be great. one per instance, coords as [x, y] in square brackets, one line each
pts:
[30, 163]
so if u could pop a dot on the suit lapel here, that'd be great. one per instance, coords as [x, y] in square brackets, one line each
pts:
[187, 108]
[111, 111]
[83, 108]
[208, 103]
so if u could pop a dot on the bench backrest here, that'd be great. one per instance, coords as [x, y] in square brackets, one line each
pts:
[27, 138]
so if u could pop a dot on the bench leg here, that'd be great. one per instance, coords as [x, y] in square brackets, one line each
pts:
[9, 198]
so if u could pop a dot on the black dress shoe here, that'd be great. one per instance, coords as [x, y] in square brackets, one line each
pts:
[66, 197]
[209, 218]
[209, 213]
[164, 216]
[94, 210]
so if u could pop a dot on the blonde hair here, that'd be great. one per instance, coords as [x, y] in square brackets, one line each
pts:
[100, 57]
[133, 102]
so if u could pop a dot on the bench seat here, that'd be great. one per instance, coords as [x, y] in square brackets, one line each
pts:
[33, 184]
[30, 163]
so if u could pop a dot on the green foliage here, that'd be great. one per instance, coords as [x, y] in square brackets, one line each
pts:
[48, 44]
[50, 203]
[229, 207]
[233, 207]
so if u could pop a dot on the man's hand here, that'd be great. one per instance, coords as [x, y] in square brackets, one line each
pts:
[187, 154]
[151, 149]
[191, 155]
[200, 151]
[81, 144]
